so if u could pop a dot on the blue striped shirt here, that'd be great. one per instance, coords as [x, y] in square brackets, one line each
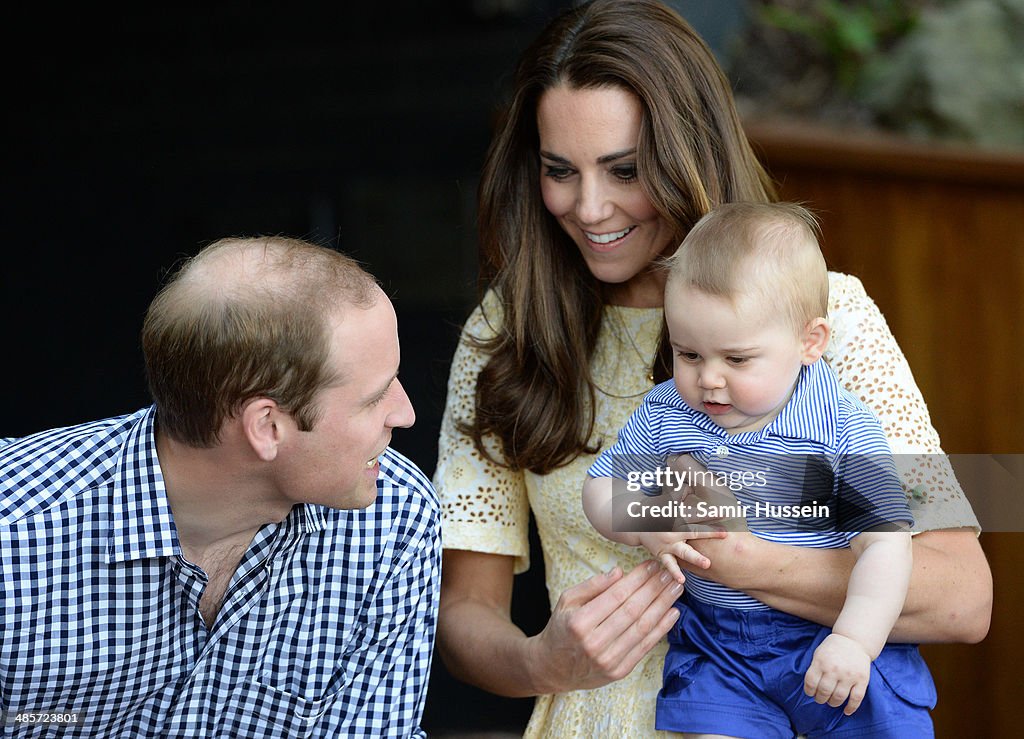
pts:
[825, 448]
[325, 630]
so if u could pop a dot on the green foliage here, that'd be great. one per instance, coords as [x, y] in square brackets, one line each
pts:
[848, 34]
[937, 68]
[959, 75]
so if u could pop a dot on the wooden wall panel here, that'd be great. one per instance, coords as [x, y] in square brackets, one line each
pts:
[937, 236]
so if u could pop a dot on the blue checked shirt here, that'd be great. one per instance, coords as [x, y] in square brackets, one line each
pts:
[326, 629]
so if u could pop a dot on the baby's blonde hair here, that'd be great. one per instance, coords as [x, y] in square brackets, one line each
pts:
[768, 251]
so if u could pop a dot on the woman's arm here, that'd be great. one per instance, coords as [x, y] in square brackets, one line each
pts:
[949, 600]
[598, 631]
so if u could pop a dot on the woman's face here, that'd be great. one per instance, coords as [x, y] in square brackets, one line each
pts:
[588, 142]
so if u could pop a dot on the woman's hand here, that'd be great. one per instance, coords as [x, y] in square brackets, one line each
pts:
[600, 629]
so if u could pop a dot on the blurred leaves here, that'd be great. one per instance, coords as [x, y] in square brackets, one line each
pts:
[847, 34]
[950, 69]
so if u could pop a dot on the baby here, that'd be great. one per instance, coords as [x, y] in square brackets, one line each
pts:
[750, 400]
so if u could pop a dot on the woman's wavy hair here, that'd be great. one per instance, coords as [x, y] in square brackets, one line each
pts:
[536, 394]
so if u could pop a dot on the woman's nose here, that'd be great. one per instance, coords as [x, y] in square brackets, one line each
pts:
[593, 203]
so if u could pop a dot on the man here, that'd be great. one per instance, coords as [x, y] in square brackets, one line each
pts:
[246, 558]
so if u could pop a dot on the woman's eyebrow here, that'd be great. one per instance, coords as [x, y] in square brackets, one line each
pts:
[553, 157]
[616, 155]
[604, 159]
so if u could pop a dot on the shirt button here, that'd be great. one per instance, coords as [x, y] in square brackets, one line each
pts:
[722, 451]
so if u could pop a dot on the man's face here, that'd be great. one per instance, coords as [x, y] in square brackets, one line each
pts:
[336, 464]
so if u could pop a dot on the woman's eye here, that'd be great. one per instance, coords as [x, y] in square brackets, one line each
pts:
[557, 173]
[625, 173]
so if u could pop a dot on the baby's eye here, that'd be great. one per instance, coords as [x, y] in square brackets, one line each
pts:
[688, 356]
[737, 360]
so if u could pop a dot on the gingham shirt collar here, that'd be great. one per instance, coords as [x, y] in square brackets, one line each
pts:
[140, 517]
[141, 524]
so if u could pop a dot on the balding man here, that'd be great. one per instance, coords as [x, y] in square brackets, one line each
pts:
[247, 557]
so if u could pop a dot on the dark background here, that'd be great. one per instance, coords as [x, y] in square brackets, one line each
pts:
[136, 135]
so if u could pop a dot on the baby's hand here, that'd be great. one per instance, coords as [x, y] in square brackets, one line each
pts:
[717, 502]
[670, 546]
[841, 668]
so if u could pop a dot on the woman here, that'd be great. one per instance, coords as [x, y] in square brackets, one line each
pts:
[620, 134]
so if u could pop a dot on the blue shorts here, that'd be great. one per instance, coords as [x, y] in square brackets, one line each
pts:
[741, 673]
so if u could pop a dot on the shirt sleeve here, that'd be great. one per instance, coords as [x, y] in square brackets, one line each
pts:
[484, 505]
[869, 363]
[871, 495]
[392, 668]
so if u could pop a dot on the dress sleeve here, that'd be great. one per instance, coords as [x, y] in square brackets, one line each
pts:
[864, 354]
[484, 505]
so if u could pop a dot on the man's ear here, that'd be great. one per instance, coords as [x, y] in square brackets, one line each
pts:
[815, 340]
[262, 426]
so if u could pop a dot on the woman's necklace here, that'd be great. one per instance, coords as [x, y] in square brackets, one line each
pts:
[621, 329]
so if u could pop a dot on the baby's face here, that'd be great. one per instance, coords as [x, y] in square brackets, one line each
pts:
[737, 363]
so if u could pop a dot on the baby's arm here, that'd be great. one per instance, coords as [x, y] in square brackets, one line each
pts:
[602, 495]
[841, 666]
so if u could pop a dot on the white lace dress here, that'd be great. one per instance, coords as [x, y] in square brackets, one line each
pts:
[486, 507]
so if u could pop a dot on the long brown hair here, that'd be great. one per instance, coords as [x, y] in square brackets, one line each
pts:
[536, 394]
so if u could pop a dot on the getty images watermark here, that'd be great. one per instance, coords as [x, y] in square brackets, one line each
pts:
[678, 481]
[739, 491]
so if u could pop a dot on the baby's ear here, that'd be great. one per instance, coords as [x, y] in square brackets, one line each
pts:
[815, 340]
